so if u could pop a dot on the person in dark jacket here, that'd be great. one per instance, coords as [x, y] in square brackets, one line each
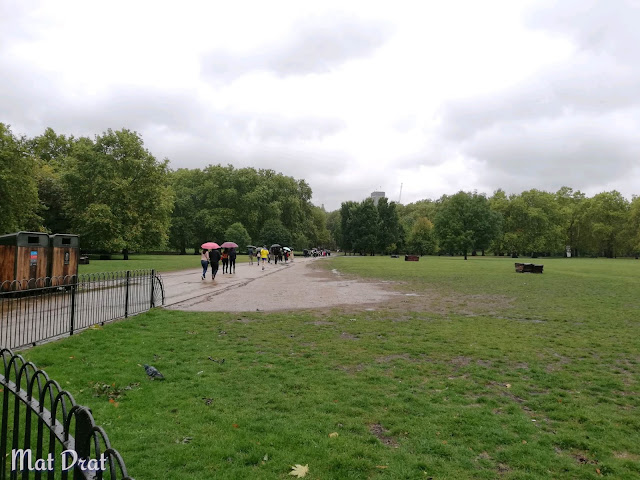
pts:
[232, 260]
[214, 258]
[225, 260]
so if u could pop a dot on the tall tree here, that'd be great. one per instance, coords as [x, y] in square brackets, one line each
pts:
[18, 185]
[571, 208]
[608, 215]
[238, 234]
[421, 238]
[389, 230]
[347, 219]
[119, 194]
[274, 232]
[465, 222]
[50, 151]
[365, 224]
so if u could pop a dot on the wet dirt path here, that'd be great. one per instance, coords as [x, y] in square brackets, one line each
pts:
[292, 286]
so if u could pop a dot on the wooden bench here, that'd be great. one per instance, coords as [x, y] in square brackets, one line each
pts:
[528, 268]
[83, 260]
[411, 258]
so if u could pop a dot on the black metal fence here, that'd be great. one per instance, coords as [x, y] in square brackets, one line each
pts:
[38, 419]
[39, 309]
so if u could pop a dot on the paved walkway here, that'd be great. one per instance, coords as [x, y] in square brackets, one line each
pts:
[290, 286]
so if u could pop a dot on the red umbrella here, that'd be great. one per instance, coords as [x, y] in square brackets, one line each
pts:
[210, 246]
[229, 245]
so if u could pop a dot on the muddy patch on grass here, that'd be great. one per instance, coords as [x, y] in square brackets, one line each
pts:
[319, 323]
[351, 369]
[381, 434]
[626, 456]
[349, 336]
[460, 361]
[391, 358]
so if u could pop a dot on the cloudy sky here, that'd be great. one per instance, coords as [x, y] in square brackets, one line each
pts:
[351, 96]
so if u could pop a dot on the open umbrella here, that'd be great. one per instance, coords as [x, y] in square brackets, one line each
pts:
[286, 248]
[229, 245]
[275, 245]
[210, 246]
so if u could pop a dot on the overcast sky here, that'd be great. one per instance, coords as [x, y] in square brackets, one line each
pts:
[351, 96]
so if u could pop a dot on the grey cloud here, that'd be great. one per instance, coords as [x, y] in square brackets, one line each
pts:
[286, 129]
[582, 151]
[570, 124]
[603, 28]
[314, 45]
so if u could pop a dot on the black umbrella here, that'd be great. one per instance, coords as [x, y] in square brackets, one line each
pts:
[275, 245]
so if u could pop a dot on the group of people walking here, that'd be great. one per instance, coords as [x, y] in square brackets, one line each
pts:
[213, 257]
[265, 255]
[228, 258]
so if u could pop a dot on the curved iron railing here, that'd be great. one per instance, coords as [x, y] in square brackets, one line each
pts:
[38, 309]
[38, 423]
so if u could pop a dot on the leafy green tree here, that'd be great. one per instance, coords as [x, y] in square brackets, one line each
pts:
[634, 226]
[238, 234]
[116, 179]
[334, 225]
[50, 151]
[300, 242]
[607, 214]
[422, 240]
[18, 184]
[571, 208]
[465, 222]
[365, 224]
[389, 231]
[186, 217]
[347, 219]
[533, 223]
[274, 232]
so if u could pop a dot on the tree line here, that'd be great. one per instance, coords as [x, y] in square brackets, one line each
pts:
[118, 197]
[114, 193]
[533, 222]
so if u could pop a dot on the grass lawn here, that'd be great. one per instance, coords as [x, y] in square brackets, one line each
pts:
[162, 263]
[504, 375]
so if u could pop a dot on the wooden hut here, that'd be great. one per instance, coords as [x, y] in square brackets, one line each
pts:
[63, 256]
[23, 256]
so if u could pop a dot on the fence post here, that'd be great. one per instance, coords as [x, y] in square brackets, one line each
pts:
[126, 297]
[153, 279]
[74, 284]
[82, 436]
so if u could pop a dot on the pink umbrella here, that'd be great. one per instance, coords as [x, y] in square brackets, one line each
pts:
[210, 246]
[229, 245]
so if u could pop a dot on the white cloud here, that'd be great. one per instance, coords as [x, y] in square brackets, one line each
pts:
[351, 96]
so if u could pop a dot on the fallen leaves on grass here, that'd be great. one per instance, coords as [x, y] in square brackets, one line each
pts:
[299, 470]
[333, 434]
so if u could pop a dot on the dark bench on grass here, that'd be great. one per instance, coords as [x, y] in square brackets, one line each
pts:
[411, 258]
[528, 268]
[84, 260]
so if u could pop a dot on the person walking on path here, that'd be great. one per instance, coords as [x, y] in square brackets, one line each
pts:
[264, 253]
[232, 260]
[250, 256]
[204, 261]
[225, 260]
[214, 258]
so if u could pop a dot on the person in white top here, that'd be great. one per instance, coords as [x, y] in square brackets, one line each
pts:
[204, 261]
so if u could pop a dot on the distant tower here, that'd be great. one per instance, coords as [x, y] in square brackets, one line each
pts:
[377, 196]
[400, 196]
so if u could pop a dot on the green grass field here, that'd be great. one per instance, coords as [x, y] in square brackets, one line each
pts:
[481, 374]
[162, 263]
